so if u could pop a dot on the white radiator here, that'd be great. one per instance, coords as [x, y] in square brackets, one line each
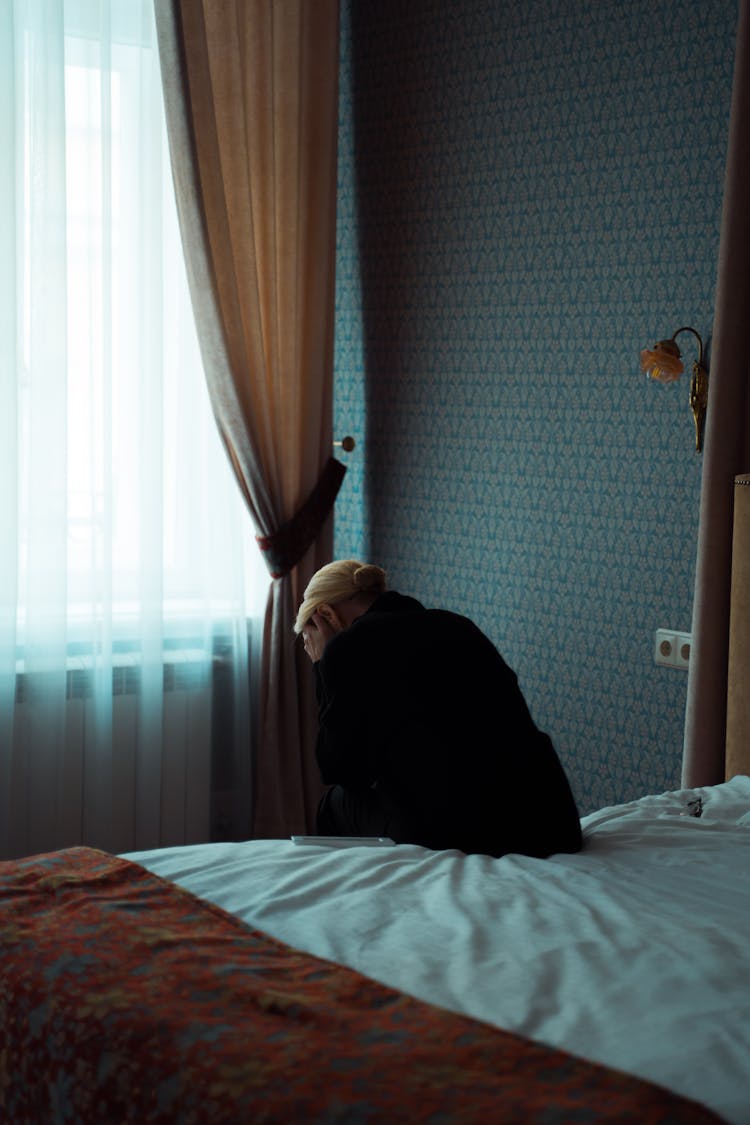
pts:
[152, 790]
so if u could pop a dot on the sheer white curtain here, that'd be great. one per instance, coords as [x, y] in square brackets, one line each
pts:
[126, 554]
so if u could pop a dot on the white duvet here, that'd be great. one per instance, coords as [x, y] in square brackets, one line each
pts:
[634, 953]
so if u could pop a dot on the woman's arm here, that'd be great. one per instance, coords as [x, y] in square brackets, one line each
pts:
[345, 747]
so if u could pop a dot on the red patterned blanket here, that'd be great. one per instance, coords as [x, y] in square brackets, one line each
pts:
[124, 998]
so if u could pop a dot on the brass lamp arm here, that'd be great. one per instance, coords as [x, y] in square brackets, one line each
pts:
[687, 328]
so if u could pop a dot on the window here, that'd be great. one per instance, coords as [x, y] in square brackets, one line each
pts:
[126, 509]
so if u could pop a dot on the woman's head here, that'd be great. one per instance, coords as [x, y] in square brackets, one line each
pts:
[338, 582]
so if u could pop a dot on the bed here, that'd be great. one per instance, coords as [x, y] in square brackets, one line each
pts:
[268, 981]
[634, 953]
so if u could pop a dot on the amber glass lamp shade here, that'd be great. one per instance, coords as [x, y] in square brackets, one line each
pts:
[662, 362]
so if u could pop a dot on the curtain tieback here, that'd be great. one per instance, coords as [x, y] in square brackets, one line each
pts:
[284, 548]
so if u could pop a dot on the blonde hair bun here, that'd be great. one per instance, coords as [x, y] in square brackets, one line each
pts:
[368, 577]
[335, 583]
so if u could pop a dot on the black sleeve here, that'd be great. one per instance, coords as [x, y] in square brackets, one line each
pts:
[344, 746]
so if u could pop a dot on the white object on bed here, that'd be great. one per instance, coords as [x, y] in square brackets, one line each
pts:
[635, 953]
[343, 841]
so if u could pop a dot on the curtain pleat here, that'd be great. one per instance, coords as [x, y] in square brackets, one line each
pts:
[251, 90]
[727, 447]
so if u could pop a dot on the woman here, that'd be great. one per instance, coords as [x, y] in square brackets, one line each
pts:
[424, 734]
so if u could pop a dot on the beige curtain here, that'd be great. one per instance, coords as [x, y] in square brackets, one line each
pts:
[727, 447]
[251, 94]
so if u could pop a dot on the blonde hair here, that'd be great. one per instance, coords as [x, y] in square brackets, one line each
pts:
[335, 583]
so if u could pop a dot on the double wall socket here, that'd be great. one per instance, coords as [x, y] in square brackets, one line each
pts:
[672, 649]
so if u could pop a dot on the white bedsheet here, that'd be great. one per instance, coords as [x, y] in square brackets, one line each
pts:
[634, 953]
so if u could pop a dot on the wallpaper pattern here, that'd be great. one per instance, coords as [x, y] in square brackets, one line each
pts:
[528, 194]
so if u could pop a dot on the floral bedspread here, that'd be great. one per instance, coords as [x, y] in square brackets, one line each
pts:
[124, 998]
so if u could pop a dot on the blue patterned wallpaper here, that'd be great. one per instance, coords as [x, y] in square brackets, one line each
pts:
[528, 194]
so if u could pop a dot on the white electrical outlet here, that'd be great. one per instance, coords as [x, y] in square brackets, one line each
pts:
[664, 647]
[672, 649]
[682, 650]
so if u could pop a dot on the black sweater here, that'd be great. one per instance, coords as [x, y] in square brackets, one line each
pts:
[419, 703]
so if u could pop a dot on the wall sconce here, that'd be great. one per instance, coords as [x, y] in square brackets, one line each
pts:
[663, 363]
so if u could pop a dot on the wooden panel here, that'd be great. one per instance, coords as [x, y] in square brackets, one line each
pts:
[738, 690]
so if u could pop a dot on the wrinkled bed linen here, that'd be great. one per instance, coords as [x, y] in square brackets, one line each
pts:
[634, 953]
